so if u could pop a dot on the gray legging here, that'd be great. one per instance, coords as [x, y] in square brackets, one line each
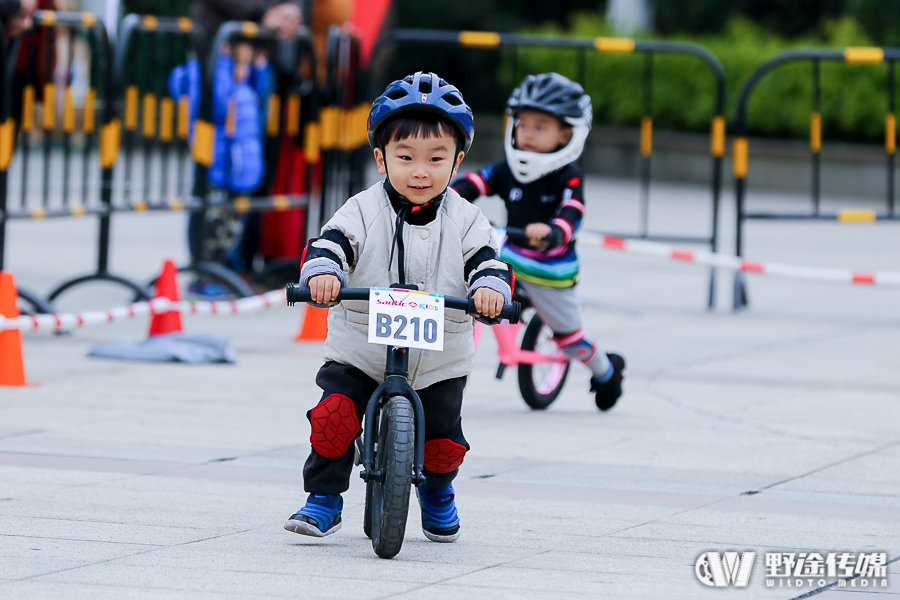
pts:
[560, 309]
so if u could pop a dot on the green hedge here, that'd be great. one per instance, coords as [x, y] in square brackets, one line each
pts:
[854, 98]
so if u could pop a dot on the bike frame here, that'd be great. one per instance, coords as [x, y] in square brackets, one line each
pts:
[396, 383]
[508, 349]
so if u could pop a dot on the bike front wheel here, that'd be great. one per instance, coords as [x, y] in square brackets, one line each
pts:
[387, 500]
[541, 383]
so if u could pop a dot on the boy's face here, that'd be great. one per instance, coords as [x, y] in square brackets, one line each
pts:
[419, 168]
[537, 131]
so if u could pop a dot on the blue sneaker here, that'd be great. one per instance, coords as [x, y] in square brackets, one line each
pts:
[320, 516]
[440, 523]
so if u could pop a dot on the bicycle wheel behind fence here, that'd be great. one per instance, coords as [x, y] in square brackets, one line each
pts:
[388, 500]
[541, 383]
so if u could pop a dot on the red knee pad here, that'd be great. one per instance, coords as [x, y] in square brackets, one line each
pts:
[443, 456]
[334, 425]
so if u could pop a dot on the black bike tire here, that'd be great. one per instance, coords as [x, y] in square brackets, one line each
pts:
[527, 388]
[394, 458]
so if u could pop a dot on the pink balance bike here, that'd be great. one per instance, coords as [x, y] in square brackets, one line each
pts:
[542, 367]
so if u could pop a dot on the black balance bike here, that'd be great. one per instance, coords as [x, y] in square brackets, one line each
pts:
[393, 445]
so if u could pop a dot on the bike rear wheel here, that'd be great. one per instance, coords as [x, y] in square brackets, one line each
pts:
[541, 383]
[387, 500]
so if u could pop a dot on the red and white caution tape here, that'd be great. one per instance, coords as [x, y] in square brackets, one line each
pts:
[69, 321]
[253, 304]
[736, 263]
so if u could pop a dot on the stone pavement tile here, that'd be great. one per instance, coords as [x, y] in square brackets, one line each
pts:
[857, 595]
[41, 590]
[496, 510]
[874, 474]
[578, 561]
[621, 587]
[51, 477]
[453, 591]
[51, 527]
[301, 583]
[343, 555]
[804, 516]
[18, 568]
[177, 495]
[535, 583]
[691, 483]
[21, 490]
[57, 548]
[852, 508]
[713, 530]
[624, 544]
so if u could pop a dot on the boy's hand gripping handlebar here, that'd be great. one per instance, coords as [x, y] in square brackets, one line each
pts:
[510, 312]
[554, 238]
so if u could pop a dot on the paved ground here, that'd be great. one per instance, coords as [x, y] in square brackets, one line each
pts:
[773, 430]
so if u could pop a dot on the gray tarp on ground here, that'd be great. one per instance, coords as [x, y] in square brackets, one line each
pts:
[174, 347]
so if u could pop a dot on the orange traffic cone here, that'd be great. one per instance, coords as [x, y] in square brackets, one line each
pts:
[12, 366]
[166, 287]
[315, 325]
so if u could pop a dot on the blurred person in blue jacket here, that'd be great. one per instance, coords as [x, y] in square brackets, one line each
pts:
[241, 79]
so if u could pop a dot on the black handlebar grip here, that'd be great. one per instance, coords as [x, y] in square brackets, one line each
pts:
[294, 294]
[510, 312]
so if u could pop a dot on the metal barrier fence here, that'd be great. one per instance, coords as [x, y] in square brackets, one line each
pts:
[32, 302]
[166, 156]
[74, 196]
[852, 56]
[582, 46]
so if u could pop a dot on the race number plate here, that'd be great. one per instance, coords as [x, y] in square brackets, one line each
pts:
[406, 318]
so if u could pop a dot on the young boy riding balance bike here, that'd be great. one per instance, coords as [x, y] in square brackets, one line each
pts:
[543, 189]
[409, 231]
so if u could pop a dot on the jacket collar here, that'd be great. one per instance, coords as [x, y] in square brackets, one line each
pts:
[416, 214]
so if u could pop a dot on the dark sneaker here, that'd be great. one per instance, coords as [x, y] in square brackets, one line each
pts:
[320, 517]
[440, 523]
[207, 290]
[608, 392]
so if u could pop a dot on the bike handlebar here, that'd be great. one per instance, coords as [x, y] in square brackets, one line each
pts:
[554, 238]
[510, 312]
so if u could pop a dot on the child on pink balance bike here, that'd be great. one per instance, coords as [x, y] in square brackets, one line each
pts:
[543, 189]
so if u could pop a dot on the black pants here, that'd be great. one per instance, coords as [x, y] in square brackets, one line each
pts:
[441, 401]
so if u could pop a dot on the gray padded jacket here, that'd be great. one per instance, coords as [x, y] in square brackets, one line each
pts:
[457, 243]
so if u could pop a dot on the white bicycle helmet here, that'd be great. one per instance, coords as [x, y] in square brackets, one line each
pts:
[564, 99]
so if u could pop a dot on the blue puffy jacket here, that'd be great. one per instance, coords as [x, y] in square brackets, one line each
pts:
[238, 164]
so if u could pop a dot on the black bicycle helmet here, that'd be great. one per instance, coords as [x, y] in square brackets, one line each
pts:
[554, 94]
